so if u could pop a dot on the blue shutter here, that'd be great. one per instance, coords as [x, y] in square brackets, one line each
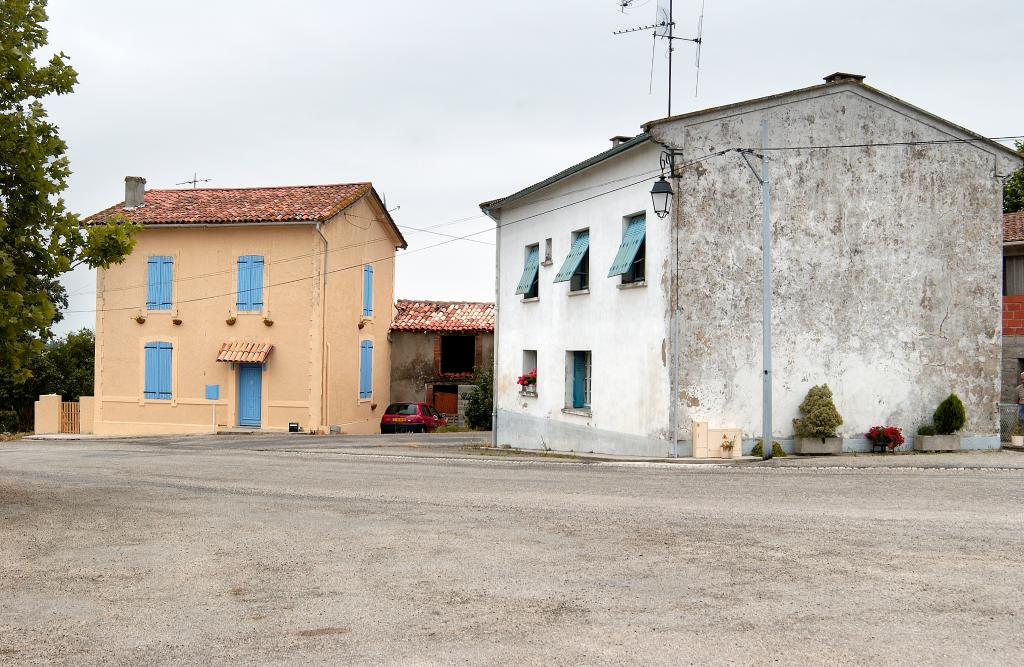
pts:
[152, 283]
[166, 281]
[529, 271]
[256, 284]
[575, 256]
[152, 386]
[159, 271]
[164, 350]
[367, 289]
[631, 242]
[366, 369]
[579, 378]
[158, 371]
[242, 301]
[250, 282]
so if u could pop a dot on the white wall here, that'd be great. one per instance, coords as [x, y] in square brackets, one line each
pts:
[625, 329]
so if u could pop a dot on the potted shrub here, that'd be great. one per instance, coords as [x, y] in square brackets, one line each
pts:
[940, 435]
[816, 428]
[885, 437]
[758, 449]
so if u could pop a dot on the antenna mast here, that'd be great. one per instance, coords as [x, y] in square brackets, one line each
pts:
[665, 29]
[194, 180]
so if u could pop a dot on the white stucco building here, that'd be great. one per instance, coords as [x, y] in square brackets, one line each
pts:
[877, 292]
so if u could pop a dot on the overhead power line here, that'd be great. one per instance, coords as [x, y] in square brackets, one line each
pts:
[567, 205]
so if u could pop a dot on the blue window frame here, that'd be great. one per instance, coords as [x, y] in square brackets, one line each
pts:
[367, 289]
[366, 369]
[159, 277]
[158, 371]
[581, 379]
[250, 282]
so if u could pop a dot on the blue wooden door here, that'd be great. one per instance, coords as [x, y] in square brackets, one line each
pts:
[250, 394]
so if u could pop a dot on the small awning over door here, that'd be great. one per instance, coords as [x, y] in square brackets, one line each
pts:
[243, 352]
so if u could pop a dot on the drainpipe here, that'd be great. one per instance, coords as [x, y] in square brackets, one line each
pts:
[497, 311]
[323, 335]
[673, 303]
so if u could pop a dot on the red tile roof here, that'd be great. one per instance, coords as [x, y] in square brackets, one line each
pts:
[299, 203]
[442, 316]
[1013, 227]
[244, 352]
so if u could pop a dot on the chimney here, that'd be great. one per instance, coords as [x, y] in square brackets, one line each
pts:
[844, 76]
[134, 191]
[620, 139]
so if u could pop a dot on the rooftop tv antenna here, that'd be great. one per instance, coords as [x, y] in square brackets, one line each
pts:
[194, 180]
[664, 28]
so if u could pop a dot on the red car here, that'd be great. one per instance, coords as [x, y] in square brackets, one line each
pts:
[411, 418]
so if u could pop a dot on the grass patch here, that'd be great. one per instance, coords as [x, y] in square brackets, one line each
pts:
[510, 451]
[453, 428]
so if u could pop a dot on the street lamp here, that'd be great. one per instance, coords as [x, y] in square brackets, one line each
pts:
[661, 195]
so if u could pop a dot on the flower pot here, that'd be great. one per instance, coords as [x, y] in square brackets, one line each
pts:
[1017, 440]
[818, 446]
[726, 452]
[937, 443]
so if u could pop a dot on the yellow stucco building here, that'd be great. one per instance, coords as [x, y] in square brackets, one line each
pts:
[247, 308]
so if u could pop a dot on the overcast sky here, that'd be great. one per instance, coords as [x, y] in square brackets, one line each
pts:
[448, 103]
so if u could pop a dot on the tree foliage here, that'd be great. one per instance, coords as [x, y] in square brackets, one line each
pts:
[480, 400]
[950, 416]
[39, 238]
[63, 366]
[1013, 191]
[820, 418]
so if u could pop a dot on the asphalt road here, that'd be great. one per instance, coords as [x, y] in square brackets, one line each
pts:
[232, 550]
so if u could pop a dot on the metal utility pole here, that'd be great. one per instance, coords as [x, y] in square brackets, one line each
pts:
[766, 299]
[766, 288]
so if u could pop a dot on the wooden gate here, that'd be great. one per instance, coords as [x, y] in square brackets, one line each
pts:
[446, 400]
[69, 417]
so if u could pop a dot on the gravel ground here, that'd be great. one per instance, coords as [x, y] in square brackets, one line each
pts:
[259, 550]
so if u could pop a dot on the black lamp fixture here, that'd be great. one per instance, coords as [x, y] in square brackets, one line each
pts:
[661, 195]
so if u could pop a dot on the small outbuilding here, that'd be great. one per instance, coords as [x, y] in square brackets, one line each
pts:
[436, 348]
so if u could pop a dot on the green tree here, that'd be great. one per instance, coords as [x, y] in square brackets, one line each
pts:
[1013, 191]
[480, 400]
[63, 366]
[39, 238]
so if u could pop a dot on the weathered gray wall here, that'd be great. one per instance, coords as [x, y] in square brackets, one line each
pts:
[1013, 352]
[886, 265]
[412, 365]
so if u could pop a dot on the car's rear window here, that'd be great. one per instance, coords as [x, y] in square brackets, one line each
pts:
[401, 409]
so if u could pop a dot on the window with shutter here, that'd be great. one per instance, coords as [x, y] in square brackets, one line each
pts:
[629, 260]
[158, 375]
[576, 267]
[159, 278]
[528, 282]
[250, 282]
[366, 369]
[367, 290]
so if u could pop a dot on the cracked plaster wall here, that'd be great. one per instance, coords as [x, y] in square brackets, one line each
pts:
[886, 265]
